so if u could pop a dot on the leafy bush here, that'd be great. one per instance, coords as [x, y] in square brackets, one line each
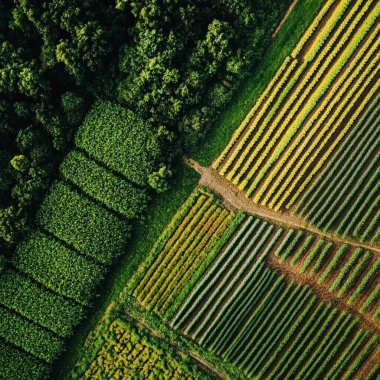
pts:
[58, 268]
[39, 305]
[19, 365]
[89, 228]
[118, 138]
[30, 337]
[115, 192]
[143, 356]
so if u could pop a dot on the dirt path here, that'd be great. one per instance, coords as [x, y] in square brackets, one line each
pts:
[369, 364]
[235, 199]
[207, 364]
[323, 293]
[202, 362]
[292, 5]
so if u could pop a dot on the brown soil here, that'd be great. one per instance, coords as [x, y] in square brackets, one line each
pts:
[322, 291]
[369, 364]
[235, 200]
[291, 96]
[292, 5]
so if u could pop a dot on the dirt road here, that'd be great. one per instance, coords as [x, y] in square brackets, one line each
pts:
[235, 199]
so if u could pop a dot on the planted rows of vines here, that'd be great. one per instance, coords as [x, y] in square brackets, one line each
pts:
[318, 121]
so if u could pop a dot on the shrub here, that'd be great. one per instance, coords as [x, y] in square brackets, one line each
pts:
[117, 137]
[28, 336]
[19, 365]
[81, 223]
[115, 192]
[39, 305]
[58, 268]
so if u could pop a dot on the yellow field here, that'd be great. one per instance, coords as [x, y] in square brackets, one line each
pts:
[315, 98]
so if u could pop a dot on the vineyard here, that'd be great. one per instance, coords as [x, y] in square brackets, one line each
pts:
[318, 120]
[272, 301]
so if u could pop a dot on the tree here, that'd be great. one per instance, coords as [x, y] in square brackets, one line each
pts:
[159, 180]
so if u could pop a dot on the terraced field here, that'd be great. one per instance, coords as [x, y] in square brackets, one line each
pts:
[319, 109]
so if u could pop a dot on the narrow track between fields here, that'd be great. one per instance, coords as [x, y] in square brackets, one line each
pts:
[235, 199]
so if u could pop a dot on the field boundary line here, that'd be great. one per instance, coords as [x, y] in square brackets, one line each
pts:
[235, 199]
[292, 5]
[201, 361]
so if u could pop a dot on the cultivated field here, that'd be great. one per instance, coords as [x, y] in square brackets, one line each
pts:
[309, 142]
[83, 225]
[274, 302]
[128, 351]
[288, 288]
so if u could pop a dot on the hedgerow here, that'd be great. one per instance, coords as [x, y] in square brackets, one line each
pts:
[58, 268]
[81, 223]
[19, 365]
[115, 192]
[29, 336]
[38, 304]
[115, 136]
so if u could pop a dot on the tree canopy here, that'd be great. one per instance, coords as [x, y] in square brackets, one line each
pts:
[172, 63]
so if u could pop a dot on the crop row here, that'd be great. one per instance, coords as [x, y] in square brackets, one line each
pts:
[29, 336]
[271, 329]
[258, 112]
[351, 175]
[283, 72]
[83, 226]
[15, 364]
[313, 137]
[344, 271]
[232, 270]
[275, 342]
[239, 155]
[318, 87]
[184, 254]
[312, 70]
[90, 229]
[38, 304]
[290, 139]
[169, 235]
[311, 30]
[337, 19]
[351, 152]
[114, 192]
[58, 268]
[173, 251]
[114, 136]
[362, 86]
[319, 156]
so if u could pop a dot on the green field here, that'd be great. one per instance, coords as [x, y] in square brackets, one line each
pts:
[184, 195]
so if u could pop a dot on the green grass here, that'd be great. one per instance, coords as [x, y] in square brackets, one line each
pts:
[163, 207]
[145, 233]
[251, 88]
